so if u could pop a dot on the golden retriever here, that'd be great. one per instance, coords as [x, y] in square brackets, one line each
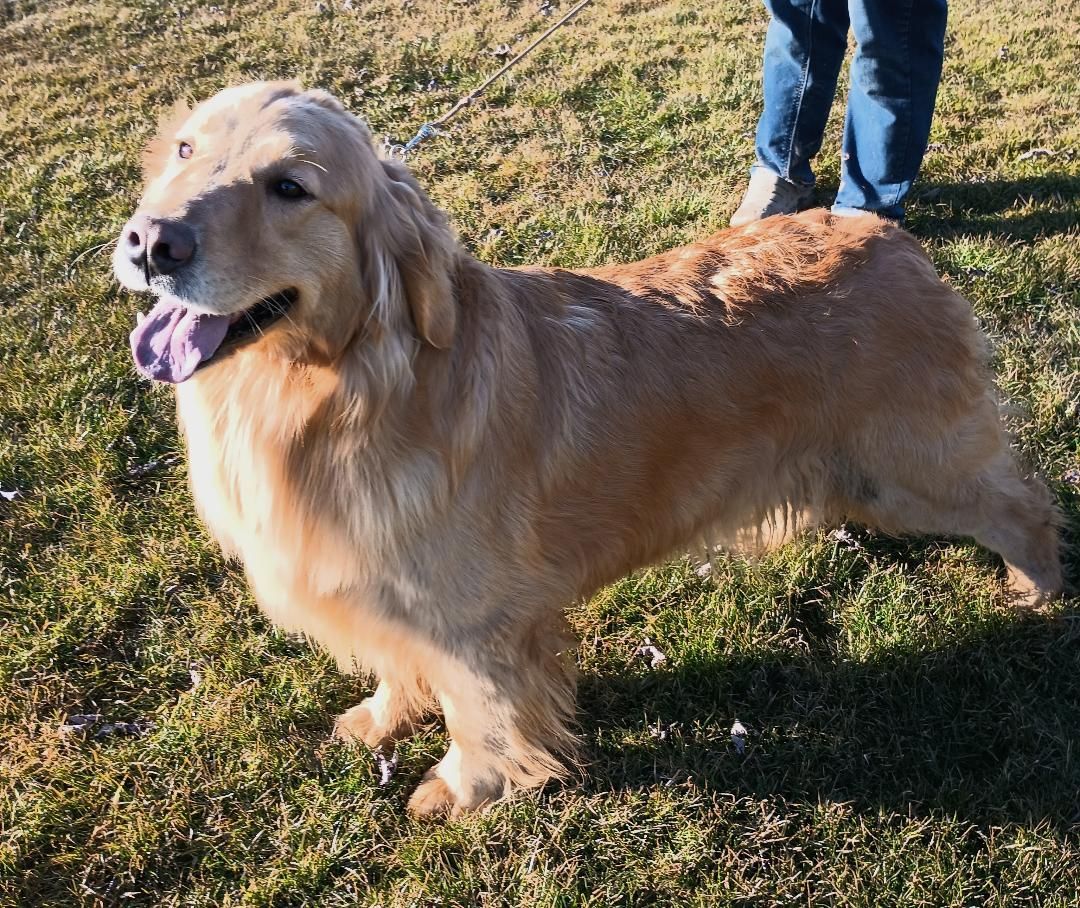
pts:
[421, 460]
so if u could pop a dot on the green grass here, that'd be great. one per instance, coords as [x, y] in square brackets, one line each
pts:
[912, 741]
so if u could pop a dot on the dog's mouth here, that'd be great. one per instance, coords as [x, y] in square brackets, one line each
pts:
[255, 321]
[174, 340]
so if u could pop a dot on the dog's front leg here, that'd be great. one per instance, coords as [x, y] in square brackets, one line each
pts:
[508, 724]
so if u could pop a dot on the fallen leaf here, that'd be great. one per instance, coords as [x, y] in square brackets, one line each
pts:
[87, 723]
[650, 652]
[80, 723]
[386, 767]
[1037, 153]
[126, 729]
[660, 731]
[738, 737]
[842, 536]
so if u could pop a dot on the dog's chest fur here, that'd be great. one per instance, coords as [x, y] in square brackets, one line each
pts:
[302, 515]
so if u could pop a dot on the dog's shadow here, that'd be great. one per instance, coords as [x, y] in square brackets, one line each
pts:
[987, 728]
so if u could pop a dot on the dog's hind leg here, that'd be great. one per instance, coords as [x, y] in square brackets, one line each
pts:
[507, 708]
[975, 490]
[392, 712]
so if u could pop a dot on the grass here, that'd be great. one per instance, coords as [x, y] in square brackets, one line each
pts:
[911, 740]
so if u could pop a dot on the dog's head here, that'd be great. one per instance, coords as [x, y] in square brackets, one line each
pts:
[267, 218]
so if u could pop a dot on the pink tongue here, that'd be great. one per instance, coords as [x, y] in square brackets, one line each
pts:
[172, 340]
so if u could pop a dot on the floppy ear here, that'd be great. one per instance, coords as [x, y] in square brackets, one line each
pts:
[412, 238]
[323, 99]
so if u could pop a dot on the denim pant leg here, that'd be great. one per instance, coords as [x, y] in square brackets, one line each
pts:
[894, 80]
[804, 50]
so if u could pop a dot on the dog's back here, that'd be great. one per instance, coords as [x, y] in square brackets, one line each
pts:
[736, 388]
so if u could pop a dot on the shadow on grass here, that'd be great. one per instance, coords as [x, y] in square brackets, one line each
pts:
[986, 729]
[1017, 210]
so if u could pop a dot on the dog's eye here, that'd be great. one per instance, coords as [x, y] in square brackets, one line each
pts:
[288, 189]
[185, 150]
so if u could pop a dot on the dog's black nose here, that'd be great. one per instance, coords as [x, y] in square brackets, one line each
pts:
[169, 244]
[133, 241]
[158, 247]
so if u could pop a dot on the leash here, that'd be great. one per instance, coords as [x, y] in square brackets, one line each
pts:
[430, 129]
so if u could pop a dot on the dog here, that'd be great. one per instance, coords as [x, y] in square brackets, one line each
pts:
[421, 460]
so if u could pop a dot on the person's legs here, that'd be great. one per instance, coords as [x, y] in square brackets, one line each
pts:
[804, 49]
[894, 80]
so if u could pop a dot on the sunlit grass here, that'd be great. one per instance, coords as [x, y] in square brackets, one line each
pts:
[911, 741]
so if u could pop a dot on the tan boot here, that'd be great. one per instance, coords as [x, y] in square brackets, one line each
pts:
[770, 194]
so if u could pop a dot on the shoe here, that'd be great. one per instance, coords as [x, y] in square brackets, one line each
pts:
[842, 211]
[769, 194]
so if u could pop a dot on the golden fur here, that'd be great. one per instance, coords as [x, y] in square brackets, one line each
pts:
[430, 458]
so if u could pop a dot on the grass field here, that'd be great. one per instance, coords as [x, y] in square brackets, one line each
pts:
[911, 740]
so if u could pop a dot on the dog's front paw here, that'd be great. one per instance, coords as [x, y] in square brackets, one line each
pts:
[1036, 581]
[378, 720]
[433, 798]
[1025, 592]
[451, 789]
[386, 716]
[360, 724]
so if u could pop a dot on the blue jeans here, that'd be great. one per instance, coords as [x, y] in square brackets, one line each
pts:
[894, 80]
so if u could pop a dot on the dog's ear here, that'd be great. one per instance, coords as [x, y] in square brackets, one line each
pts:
[414, 236]
[324, 99]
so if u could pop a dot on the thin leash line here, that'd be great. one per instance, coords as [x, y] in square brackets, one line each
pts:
[429, 129]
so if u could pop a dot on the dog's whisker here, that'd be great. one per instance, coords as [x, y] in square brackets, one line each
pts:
[297, 154]
[86, 252]
[254, 323]
[284, 313]
[312, 163]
